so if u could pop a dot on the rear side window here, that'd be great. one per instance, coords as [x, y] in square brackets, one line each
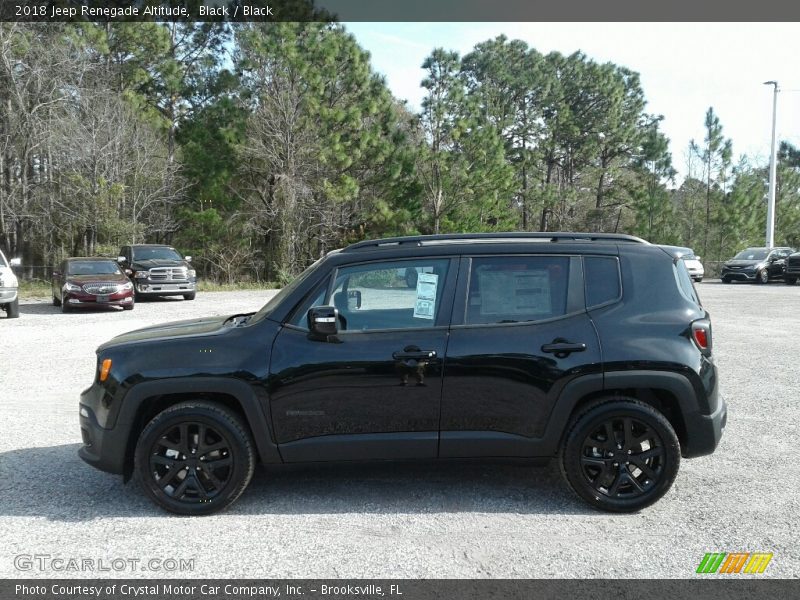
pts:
[512, 289]
[685, 282]
[602, 280]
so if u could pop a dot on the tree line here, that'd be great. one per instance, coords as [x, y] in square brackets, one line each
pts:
[257, 148]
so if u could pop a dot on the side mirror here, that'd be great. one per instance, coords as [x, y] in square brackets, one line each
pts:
[128, 272]
[187, 258]
[323, 320]
[121, 259]
[353, 300]
[15, 262]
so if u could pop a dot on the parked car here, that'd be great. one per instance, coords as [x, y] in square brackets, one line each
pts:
[9, 298]
[691, 260]
[86, 282]
[158, 270]
[792, 273]
[756, 264]
[548, 339]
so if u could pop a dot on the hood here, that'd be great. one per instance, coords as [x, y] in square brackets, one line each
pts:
[173, 330]
[157, 262]
[744, 263]
[93, 278]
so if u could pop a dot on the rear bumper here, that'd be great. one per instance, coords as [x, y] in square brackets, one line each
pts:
[705, 431]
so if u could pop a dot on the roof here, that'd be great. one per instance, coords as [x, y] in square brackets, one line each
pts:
[77, 258]
[500, 237]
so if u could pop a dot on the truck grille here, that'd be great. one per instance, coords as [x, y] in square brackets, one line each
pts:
[168, 274]
[102, 288]
[793, 261]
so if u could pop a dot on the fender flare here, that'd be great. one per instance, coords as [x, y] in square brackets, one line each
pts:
[255, 411]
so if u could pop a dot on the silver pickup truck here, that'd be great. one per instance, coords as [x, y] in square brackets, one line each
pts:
[9, 300]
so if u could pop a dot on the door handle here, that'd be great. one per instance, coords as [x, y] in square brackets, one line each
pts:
[562, 349]
[414, 354]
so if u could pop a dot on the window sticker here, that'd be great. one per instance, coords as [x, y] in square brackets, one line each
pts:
[426, 296]
[515, 292]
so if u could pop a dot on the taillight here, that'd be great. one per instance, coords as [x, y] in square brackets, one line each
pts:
[701, 334]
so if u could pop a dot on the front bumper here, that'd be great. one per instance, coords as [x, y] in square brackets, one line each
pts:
[738, 275]
[705, 431]
[172, 288]
[102, 448]
[7, 295]
[83, 300]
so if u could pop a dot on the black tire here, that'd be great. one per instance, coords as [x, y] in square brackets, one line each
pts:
[56, 301]
[64, 305]
[128, 306]
[189, 296]
[185, 439]
[725, 280]
[790, 280]
[762, 276]
[698, 279]
[12, 309]
[599, 476]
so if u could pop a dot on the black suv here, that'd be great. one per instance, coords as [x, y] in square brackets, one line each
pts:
[587, 347]
[158, 270]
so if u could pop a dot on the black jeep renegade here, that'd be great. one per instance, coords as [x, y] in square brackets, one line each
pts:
[593, 349]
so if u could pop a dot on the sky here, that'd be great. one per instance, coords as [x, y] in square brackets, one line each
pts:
[684, 69]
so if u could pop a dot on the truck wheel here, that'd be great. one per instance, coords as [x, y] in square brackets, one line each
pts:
[194, 458]
[189, 296]
[620, 455]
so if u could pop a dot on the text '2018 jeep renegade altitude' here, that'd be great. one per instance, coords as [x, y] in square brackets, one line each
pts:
[590, 348]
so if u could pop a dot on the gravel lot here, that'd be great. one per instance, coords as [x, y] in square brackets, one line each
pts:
[421, 521]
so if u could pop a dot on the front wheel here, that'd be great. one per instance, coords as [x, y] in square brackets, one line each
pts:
[620, 455]
[762, 276]
[189, 296]
[790, 280]
[194, 458]
[12, 309]
[725, 280]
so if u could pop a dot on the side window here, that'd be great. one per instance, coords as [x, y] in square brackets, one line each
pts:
[389, 295]
[685, 282]
[512, 289]
[602, 279]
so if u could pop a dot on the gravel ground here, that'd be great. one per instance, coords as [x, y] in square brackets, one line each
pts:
[397, 521]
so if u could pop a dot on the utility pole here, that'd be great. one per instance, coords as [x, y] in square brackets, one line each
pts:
[772, 169]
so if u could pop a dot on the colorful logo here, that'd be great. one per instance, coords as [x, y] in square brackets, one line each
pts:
[734, 562]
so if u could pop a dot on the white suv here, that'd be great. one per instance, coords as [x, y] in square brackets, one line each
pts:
[8, 286]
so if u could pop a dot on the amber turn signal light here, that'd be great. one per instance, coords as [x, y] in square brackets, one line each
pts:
[104, 369]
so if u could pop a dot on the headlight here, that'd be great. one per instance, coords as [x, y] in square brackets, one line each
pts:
[126, 286]
[191, 273]
[71, 287]
[141, 274]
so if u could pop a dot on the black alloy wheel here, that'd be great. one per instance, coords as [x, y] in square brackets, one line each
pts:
[195, 458]
[621, 455]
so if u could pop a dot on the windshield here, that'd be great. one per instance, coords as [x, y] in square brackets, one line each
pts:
[156, 253]
[94, 267]
[752, 254]
[278, 298]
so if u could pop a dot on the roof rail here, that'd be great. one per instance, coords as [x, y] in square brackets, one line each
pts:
[545, 236]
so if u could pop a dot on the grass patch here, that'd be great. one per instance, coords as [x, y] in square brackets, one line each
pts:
[35, 289]
[210, 286]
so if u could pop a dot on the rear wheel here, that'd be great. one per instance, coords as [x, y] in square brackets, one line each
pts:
[620, 455]
[194, 458]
